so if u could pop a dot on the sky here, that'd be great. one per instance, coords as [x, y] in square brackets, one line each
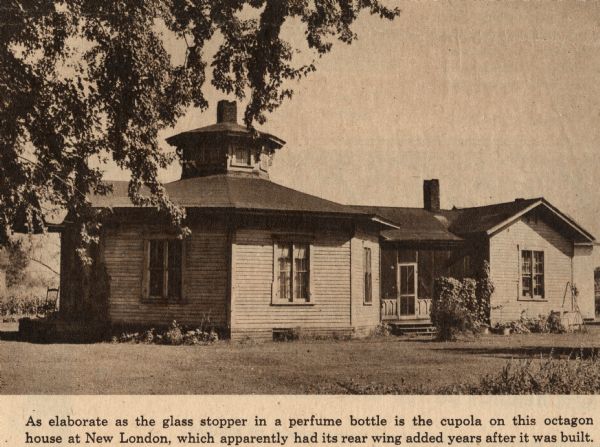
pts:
[497, 100]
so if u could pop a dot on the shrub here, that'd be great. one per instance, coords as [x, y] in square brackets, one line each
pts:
[32, 306]
[381, 330]
[538, 325]
[484, 290]
[198, 336]
[462, 306]
[555, 325]
[550, 376]
[454, 308]
[519, 327]
[576, 375]
[542, 325]
[174, 335]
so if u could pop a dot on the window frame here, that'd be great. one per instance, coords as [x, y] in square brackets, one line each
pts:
[250, 160]
[533, 274]
[264, 161]
[146, 276]
[367, 276]
[209, 155]
[292, 244]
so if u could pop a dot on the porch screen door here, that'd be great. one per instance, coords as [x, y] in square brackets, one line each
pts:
[407, 289]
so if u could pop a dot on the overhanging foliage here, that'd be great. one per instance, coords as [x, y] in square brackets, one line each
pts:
[84, 80]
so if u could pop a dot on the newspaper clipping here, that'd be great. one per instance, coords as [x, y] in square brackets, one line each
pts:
[299, 222]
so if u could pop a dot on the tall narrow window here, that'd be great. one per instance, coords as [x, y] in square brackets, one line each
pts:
[292, 261]
[532, 274]
[368, 281]
[173, 268]
[284, 261]
[164, 269]
[538, 274]
[157, 276]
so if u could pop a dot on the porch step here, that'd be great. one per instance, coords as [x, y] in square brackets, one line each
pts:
[424, 328]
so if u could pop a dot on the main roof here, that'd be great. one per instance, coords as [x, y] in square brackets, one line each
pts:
[448, 226]
[226, 191]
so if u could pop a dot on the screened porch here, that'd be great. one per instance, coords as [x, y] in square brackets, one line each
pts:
[408, 274]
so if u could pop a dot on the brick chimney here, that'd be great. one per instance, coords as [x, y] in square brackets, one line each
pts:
[431, 194]
[226, 111]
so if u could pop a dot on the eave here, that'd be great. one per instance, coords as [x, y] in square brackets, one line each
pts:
[555, 212]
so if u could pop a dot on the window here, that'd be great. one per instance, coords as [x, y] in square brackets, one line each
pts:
[242, 156]
[292, 272]
[208, 155]
[532, 274]
[163, 275]
[389, 263]
[265, 161]
[368, 281]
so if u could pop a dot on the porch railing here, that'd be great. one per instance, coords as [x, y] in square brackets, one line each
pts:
[389, 308]
[423, 308]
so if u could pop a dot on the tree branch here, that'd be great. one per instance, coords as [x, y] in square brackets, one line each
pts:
[45, 265]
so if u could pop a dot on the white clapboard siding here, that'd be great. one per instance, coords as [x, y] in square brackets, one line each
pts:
[252, 276]
[365, 317]
[204, 280]
[505, 259]
[583, 278]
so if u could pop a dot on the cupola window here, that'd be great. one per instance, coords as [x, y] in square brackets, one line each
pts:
[242, 156]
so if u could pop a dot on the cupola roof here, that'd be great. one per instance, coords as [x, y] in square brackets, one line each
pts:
[226, 126]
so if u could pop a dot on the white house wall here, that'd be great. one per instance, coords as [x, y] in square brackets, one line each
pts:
[583, 278]
[365, 316]
[204, 279]
[252, 312]
[505, 259]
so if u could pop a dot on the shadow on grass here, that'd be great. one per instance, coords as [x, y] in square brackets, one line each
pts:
[9, 335]
[562, 352]
[14, 335]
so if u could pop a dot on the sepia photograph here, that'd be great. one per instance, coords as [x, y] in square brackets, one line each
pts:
[301, 197]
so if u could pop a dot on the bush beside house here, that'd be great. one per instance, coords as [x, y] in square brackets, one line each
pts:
[461, 306]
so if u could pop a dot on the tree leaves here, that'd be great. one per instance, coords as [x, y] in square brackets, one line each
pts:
[86, 79]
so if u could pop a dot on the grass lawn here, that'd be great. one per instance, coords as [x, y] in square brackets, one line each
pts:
[265, 368]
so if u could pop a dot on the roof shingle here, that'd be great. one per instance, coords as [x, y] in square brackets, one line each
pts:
[480, 219]
[230, 191]
[415, 224]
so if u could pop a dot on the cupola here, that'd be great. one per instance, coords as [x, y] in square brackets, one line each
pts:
[225, 147]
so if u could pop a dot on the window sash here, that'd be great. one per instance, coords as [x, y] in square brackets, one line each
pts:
[532, 274]
[284, 262]
[293, 272]
[368, 277]
[165, 258]
[242, 156]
